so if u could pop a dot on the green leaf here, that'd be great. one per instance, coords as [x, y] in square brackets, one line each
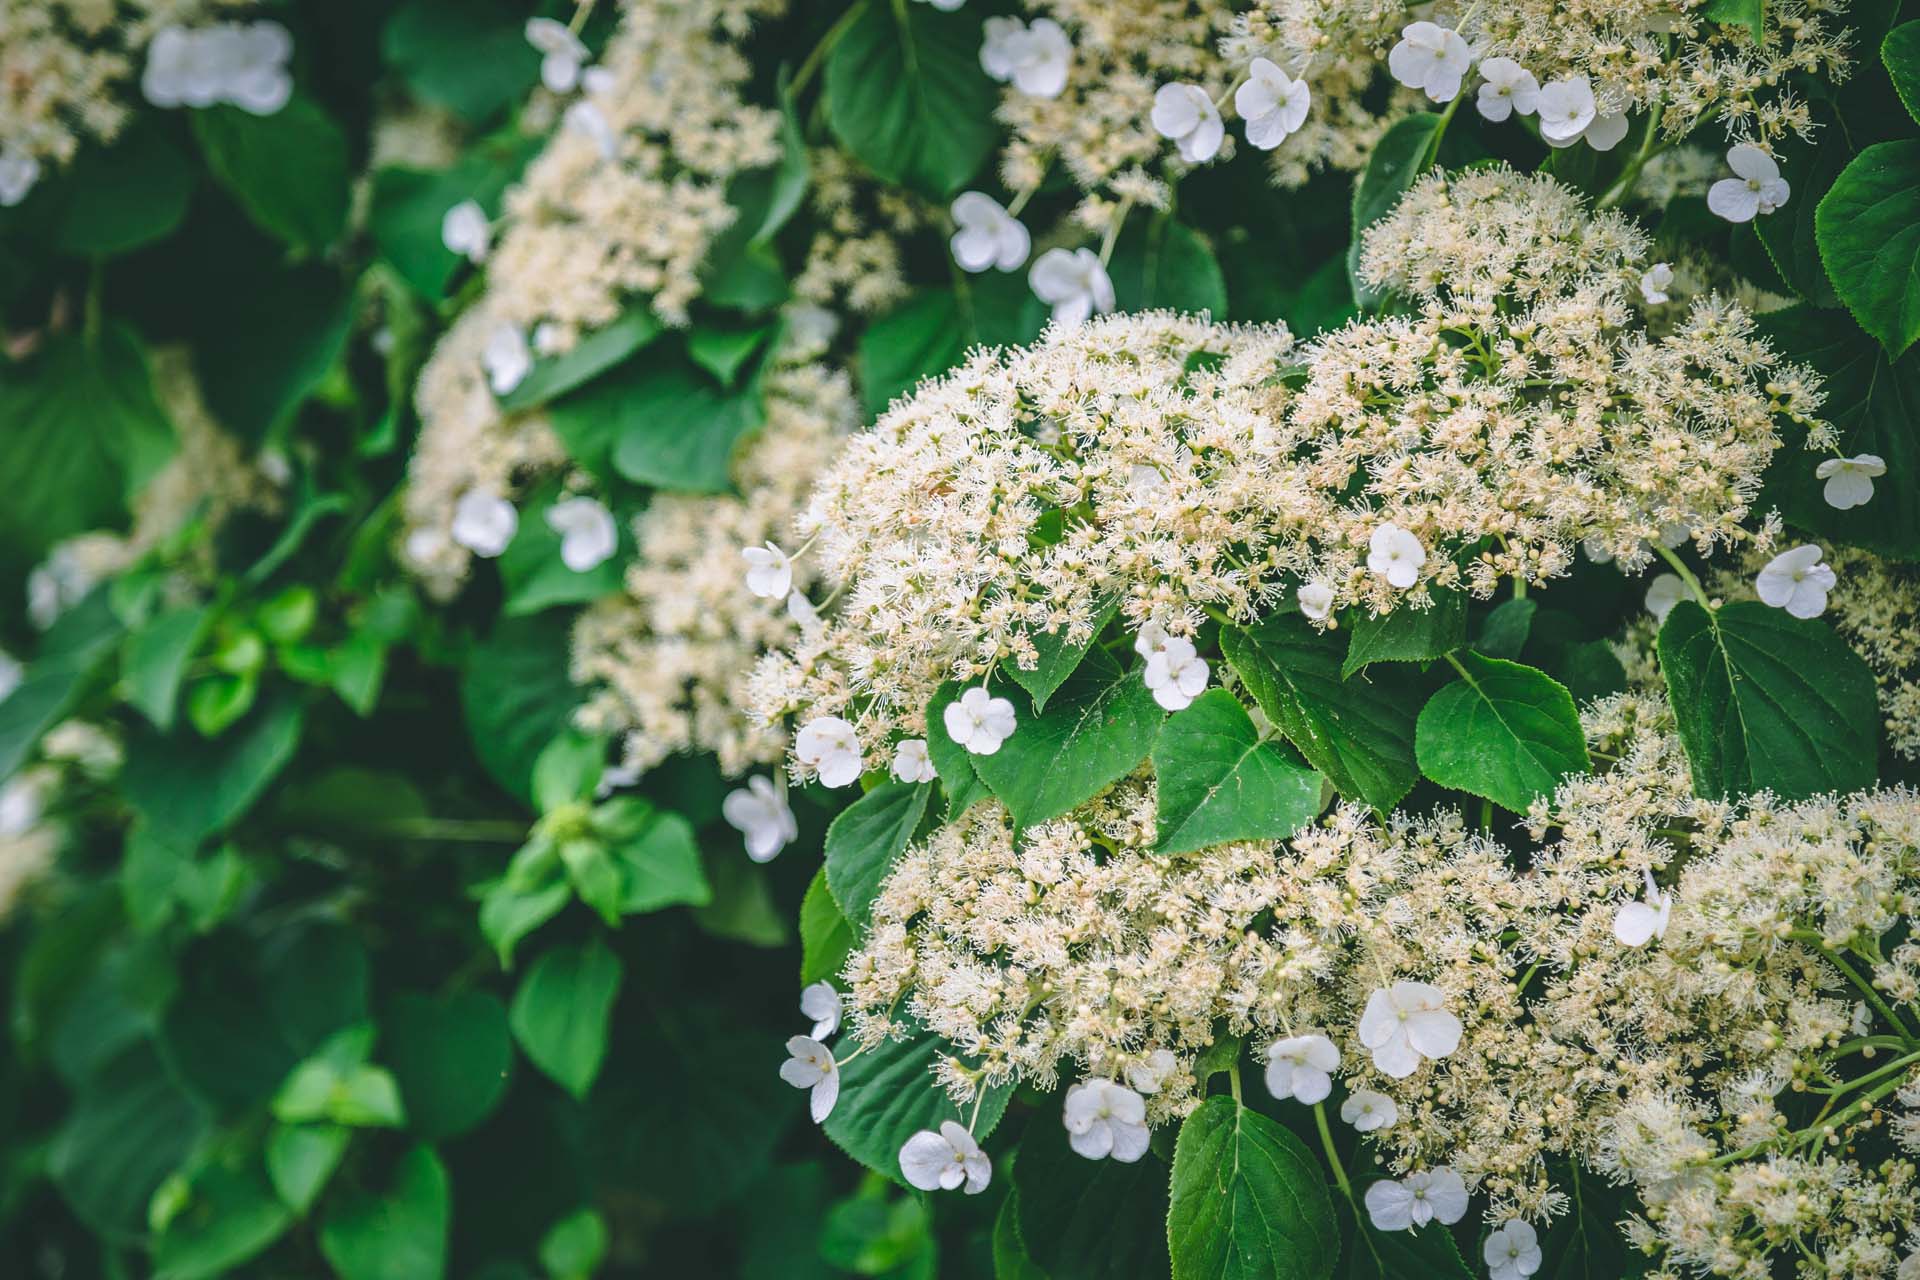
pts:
[1057, 658]
[561, 1010]
[594, 354]
[826, 936]
[272, 346]
[659, 420]
[398, 1234]
[923, 337]
[567, 770]
[1750, 14]
[231, 1218]
[452, 1058]
[301, 1159]
[1010, 1258]
[470, 56]
[80, 434]
[189, 788]
[1249, 1202]
[121, 197]
[130, 1127]
[535, 576]
[508, 914]
[865, 839]
[289, 170]
[1089, 1219]
[888, 1094]
[723, 352]
[906, 94]
[1503, 633]
[154, 658]
[1428, 1252]
[1868, 227]
[517, 695]
[1220, 782]
[1900, 51]
[575, 1246]
[1768, 702]
[1502, 730]
[952, 763]
[1789, 233]
[407, 206]
[1408, 635]
[1098, 726]
[50, 686]
[1158, 263]
[1396, 160]
[656, 853]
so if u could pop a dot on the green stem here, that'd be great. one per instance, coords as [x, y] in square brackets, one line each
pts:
[1853, 975]
[1233, 1081]
[1432, 154]
[1333, 1156]
[1686, 575]
[832, 37]
[1624, 184]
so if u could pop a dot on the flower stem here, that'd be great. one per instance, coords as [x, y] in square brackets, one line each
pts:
[1686, 575]
[1333, 1156]
[827, 41]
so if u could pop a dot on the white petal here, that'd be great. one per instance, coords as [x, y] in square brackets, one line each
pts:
[925, 1159]
[1390, 1206]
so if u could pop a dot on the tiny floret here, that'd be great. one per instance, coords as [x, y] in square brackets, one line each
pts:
[507, 359]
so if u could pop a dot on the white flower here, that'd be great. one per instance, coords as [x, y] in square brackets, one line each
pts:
[1033, 59]
[243, 65]
[484, 522]
[1150, 1075]
[1176, 674]
[585, 118]
[1106, 1119]
[562, 53]
[1298, 1068]
[1512, 1251]
[943, 1161]
[1566, 109]
[769, 571]
[1152, 639]
[507, 359]
[1272, 105]
[1862, 1022]
[811, 1067]
[821, 1002]
[1663, 593]
[1605, 132]
[256, 56]
[759, 812]
[1407, 1022]
[1638, 923]
[1316, 600]
[1796, 581]
[1395, 555]
[945, 6]
[424, 545]
[911, 763]
[11, 674]
[1073, 283]
[616, 777]
[1509, 87]
[1757, 187]
[987, 235]
[1653, 288]
[801, 610]
[21, 804]
[588, 535]
[1184, 114]
[979, 721]
[1430, 58]
[1369, 1110]
[1428, 1195]
[18, 172]
[830, 745]
[1849, 480]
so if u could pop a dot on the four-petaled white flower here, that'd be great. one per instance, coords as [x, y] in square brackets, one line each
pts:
[1796, 581]
[1428, 1195]
[1369, 1110]
[1184, 114]
[759, 812]
[484, 522]
[1176, 673]
[945, 1160]
[979, 721]
[1638, 923]
[1566, 108]
[1849, 480]
[1316, 600]
[507, 359]
[821, 1002]
[911, 763]
[561, 53]
[245, 65]
[1431, 58]
[1653, 288]
[588, 535]
[1106, 1119]
[465, 231]
[1033, 59]
[986, 235]
[1664, 592]
[811, 1067]
[830, 745]
[769, 571]
[1512, 1251]
[1149, 1075]
[1405, 1023]
[1300, 1068]
[1073, 283]
[1396, 555]
[1271, 104]
[1509, 87]
[1757, 187]
[18, 172]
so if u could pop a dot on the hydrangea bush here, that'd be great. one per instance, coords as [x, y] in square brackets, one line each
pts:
[918, 638]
